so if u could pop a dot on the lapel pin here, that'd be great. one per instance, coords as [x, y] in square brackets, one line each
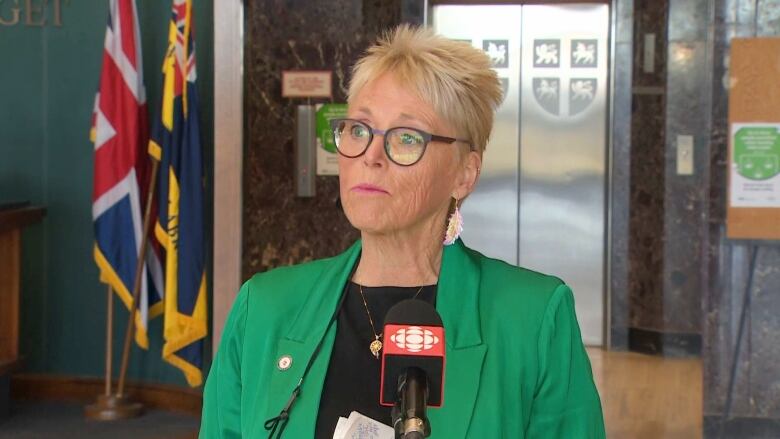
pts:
[284, 363]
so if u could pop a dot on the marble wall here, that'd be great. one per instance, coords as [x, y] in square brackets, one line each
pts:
[280, 228]
[667, 229]
[753, 410]
[686, 281]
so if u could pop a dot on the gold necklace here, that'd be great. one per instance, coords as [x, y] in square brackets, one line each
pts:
[376, 346]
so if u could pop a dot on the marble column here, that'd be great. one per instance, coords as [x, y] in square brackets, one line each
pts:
[620, 176]
[645, 250]
[685, 207]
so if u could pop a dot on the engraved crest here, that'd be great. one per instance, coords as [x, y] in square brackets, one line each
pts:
[556, 88]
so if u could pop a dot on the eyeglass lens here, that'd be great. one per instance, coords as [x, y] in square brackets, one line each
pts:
[404, 146]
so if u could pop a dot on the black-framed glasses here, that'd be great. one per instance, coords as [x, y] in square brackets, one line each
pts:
[403, 145]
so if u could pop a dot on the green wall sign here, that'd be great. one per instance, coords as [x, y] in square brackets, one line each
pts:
[757, 152]
[755, 165]
[327, 156]
[324, 114]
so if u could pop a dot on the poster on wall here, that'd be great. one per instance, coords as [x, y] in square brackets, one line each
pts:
[754, 139]
[327, 156]
[755, 165]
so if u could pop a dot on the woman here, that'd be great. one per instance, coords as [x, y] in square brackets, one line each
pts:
[301, 346]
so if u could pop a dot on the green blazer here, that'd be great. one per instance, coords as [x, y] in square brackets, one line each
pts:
[515, 363]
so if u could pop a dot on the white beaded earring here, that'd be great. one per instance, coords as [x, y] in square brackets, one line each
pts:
[454, 226]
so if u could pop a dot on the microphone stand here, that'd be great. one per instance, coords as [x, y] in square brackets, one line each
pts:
[408, 415]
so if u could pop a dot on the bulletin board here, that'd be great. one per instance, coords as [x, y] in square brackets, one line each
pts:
[754, 139]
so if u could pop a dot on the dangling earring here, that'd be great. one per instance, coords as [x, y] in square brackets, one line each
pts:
[454, 226]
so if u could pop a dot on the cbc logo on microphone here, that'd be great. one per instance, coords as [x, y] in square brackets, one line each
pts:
[414, 339]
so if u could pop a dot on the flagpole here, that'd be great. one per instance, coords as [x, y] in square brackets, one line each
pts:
[109, 337]
[137, 286]
[110, 407]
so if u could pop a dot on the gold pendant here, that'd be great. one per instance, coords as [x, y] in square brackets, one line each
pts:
[375, 347]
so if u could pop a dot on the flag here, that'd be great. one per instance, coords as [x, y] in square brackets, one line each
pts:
[119, 133]
[176, 144]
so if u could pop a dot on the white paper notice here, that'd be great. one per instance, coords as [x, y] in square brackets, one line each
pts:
[358, 426]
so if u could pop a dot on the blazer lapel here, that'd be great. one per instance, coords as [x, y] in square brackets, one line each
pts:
[458, 303]
[463, 370]
[299, 343]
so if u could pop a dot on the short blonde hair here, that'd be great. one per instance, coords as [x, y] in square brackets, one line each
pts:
[455, 78]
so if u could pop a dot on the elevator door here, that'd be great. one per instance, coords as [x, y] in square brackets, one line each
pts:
[540, 203]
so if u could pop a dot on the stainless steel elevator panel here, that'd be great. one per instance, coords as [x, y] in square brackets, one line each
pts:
[541, 200]
[490, 213]
[563, 120]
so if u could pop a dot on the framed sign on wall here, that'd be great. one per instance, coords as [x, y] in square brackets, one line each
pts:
[754, 139]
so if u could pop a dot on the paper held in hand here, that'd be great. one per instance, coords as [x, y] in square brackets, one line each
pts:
[358, 426]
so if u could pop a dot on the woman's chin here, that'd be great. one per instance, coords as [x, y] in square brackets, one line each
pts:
[371, 222]
[370, 227]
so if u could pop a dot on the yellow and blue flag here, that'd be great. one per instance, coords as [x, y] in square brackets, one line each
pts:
[180, 229]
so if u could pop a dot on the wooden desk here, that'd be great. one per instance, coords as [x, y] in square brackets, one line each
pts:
[11, 223]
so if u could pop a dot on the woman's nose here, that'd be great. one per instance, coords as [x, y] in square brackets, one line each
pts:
[375, 153]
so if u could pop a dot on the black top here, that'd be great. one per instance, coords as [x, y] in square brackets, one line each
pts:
[352, 381]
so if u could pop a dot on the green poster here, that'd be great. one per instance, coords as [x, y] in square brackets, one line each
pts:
[757, 152]
[324, 114]
[755, 165]
[327, 157]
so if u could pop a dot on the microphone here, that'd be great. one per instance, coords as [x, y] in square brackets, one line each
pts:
[412, 366]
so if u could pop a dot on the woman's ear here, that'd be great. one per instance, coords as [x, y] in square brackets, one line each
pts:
[468, 175]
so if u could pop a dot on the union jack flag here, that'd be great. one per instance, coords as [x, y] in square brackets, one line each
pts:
[120, 135]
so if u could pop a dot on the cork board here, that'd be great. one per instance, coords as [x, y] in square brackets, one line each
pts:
[754, 139]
